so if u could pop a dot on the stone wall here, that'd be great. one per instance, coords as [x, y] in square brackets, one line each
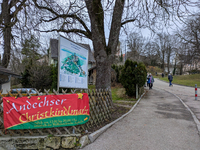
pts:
[44, 143]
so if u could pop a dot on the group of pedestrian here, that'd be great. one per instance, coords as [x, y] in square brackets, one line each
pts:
[150, 80]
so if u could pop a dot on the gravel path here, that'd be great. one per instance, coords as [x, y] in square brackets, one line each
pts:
[159, 122]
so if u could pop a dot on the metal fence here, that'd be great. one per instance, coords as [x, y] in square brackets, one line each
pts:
[100, 102]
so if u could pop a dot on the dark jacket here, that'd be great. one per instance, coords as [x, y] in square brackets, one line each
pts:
[170, 77]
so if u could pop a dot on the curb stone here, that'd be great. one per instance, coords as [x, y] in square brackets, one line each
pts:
[93, 136]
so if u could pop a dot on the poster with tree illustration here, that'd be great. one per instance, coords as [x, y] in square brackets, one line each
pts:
[73, 65]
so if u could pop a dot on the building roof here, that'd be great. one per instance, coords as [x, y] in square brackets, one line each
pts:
[54, 50]
[8, 72]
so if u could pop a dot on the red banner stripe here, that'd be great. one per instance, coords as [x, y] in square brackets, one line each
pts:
[45, 111]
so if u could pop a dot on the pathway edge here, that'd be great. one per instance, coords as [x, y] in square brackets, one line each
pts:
[193, 115]
[93, 136]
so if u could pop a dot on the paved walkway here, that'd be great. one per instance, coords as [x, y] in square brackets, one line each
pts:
[187, 94]
[159, 122]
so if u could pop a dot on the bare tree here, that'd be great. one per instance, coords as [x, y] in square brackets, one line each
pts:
[87, 19]
[136, 47]
[162, 49]
[170, 49]
[151, 51]
[185, 55]
[190, 33]
[8, 18]
[189, 42]
[166, 48]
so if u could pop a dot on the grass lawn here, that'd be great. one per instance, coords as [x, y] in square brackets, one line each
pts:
[188, 80]
[118, 93]
[91, 87]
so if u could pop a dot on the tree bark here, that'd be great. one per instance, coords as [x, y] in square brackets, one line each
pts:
[104, 54]
[6, 33]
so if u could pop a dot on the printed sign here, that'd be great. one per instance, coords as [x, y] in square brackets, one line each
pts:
[73, 65]
[45, 111]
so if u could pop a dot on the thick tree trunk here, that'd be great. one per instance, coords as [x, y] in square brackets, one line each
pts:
[104, 54]
[103, 74]
[6, 33]
[7, 47]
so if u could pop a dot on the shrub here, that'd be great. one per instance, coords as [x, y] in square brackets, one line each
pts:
[118, 70]
[37, 76]
[25, 81]
[133, 73]
[54, 77]
[194, 72]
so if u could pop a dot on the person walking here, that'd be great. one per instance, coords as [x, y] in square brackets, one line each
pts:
[147, 79]
[170, 78]
[162, 75]
[150, 81]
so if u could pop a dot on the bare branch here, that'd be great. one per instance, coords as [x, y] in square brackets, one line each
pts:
[69, 31]
[18, 8]
[128, 21]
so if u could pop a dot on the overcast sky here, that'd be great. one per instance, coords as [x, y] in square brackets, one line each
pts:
[122, 38]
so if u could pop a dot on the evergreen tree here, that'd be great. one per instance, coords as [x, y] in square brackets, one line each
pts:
[133, 73]
[25, 80]
[30, 49]
[54, 77]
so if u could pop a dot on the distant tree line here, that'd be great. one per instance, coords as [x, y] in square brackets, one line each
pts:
[165, 50]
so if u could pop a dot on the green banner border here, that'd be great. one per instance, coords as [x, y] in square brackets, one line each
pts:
[53, 122]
